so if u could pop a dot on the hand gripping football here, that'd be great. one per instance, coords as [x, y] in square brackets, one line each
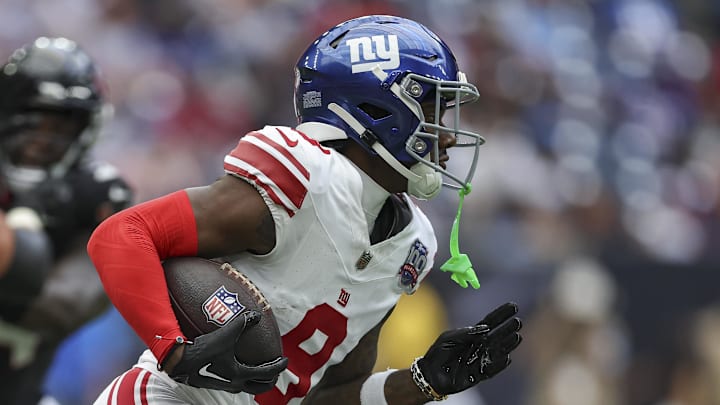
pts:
[206, 295]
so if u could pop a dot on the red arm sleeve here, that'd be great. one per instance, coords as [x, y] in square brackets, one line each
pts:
[126, 250]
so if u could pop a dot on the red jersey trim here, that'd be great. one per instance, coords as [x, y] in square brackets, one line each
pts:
[127, 394]
[257, 164]
[273, 196]
[282, 150]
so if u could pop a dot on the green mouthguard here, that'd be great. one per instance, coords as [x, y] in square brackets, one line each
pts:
[459, 263]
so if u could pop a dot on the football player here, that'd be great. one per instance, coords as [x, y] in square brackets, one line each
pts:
[51, 106]
[321, 218]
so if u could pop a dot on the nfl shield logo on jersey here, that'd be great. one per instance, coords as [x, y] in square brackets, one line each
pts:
[222, 307]
[413, 267]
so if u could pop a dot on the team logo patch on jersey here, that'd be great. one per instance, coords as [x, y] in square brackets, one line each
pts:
[344, 297]
[222, 306]
[412, 269]
[377, 50]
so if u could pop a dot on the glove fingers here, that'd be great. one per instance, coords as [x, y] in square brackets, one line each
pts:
[460, 336]
[509, 327]
[252, 318]
[258, 387]
[500, 315]
[215, 342]
[501, 365]
[237, 326]
[509, 343]
[263, 373]
[476, 329]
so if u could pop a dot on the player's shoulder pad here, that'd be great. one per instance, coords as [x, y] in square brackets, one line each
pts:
[99, 171]
[98, 180]
[280, 161]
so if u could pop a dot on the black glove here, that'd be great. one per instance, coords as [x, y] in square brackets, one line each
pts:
[209, 362]
[461, 358]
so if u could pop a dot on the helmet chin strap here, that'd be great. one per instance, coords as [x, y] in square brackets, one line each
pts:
[423, 181]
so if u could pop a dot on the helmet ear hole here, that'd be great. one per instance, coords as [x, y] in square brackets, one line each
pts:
[374, 111]
[304, 74]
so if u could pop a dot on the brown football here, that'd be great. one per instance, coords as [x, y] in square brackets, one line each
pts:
[206, 295]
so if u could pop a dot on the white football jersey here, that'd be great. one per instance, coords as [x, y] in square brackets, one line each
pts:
[328, 286]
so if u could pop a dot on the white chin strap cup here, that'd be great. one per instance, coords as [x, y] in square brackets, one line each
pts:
[423, 181]
[426, 184]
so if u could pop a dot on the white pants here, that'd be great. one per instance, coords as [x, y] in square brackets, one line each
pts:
[145, 385]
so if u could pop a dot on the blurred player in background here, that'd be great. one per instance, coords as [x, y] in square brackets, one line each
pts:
[51, 108]
[320, 218]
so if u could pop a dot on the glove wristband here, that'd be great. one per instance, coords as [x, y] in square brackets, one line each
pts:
[422, 384]
[179, 341]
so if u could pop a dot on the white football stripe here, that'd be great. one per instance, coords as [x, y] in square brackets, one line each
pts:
[114, 394]
[138, 386]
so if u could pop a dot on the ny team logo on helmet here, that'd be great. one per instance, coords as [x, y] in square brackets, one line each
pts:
[378, 50]
[372, 77]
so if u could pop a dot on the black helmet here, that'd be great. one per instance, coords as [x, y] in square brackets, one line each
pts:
[51, 76]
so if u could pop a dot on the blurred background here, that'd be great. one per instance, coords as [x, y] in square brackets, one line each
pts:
[595, 206]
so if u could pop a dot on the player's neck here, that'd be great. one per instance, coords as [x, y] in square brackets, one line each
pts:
[373, 198]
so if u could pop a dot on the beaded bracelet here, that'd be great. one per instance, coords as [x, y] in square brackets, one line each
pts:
[422, 384]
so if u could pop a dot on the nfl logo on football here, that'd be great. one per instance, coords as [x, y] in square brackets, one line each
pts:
[221, 307]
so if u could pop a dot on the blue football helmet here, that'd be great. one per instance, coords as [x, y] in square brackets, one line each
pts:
[369, 76]
[51, 107]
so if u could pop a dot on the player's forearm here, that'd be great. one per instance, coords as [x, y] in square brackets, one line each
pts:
[345, 394]
[126, 250]
[399, 389]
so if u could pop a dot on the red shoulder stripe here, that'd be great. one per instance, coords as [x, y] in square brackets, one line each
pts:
[282, 150]
[254, 179]
[285, 180]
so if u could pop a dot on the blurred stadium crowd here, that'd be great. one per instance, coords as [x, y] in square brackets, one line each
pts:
[596, 204]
